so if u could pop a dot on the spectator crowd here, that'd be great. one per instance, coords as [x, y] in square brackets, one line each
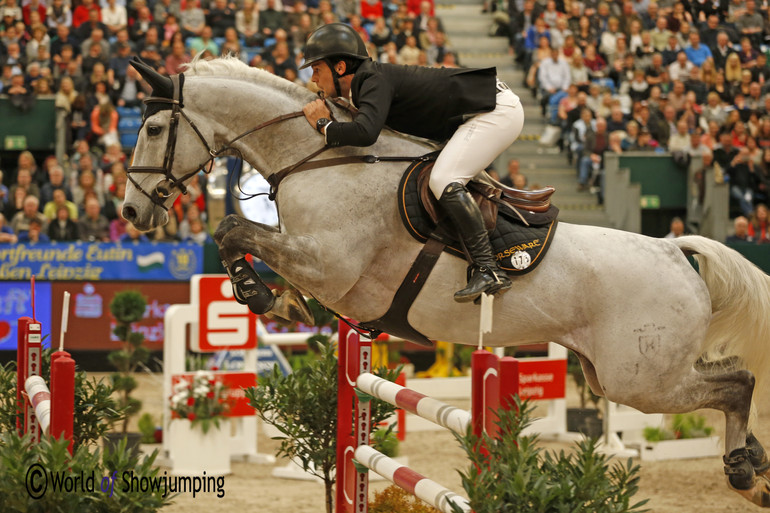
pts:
[77, 52]
[624, 75]
[686, 77]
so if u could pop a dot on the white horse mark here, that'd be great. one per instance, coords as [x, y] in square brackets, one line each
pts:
[649, 337]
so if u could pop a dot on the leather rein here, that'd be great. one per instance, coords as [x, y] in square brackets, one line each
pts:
[164, 189]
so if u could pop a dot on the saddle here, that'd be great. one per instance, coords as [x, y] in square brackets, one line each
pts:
[488, 193]
[522, 225]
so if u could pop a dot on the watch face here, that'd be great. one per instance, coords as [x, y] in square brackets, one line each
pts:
[259, 208]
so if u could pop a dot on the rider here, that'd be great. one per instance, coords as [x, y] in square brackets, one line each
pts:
[476, 114]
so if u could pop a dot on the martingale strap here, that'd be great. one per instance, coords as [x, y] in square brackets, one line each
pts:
[395, 320]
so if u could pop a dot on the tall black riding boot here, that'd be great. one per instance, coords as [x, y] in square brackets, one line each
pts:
[486, 276]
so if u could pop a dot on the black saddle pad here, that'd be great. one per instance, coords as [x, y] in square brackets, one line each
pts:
[517, 247]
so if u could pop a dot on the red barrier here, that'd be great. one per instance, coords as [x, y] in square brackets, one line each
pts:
[62, 384]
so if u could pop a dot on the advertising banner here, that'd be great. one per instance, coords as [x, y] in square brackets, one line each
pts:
[90, 321]
[542, 379]
[85, 261]
[15, 302]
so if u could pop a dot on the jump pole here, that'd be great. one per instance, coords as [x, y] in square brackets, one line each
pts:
[494, 381]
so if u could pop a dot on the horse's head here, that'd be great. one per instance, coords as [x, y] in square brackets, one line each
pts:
[169, 152]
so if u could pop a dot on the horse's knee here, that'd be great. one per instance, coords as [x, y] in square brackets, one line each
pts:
[225, 226]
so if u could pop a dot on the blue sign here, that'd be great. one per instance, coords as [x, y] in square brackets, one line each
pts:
[101, 261]
[15, 302]
[268, 357]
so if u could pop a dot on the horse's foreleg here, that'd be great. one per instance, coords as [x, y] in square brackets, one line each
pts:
[237, 237]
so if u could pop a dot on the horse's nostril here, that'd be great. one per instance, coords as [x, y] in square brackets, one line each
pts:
[129, 213]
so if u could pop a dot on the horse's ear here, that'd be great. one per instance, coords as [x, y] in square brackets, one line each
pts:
[161, 86]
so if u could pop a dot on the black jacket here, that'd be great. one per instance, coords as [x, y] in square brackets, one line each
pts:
[415, 100]
[69, 232]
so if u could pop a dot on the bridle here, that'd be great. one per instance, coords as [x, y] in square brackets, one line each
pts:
[163, 191]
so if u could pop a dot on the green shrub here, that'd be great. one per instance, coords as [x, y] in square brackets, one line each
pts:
[303, 407]
[147, 428]
[20, 458]
[385, 441]
[515, 475]
[93, 403]
[395, 500]
[683, 426]
[127, 307]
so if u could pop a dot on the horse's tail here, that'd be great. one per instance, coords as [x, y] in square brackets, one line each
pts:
[740, 303]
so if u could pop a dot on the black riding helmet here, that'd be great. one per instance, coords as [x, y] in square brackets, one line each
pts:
[334, 40]
[332, 43]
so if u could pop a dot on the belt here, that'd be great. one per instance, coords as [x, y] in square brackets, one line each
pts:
[502, 86]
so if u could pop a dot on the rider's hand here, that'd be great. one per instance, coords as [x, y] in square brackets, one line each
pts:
[316, 110]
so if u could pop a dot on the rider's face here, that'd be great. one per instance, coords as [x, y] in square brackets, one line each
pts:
[322, 77]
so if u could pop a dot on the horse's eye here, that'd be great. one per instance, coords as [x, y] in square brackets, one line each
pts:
[153, 130]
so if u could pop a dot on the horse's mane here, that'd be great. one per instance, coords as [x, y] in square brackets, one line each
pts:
[234, 68]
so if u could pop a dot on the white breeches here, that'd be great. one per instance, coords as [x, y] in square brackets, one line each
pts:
[478, 142]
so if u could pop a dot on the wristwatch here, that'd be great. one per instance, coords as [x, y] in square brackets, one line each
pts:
[321, 124]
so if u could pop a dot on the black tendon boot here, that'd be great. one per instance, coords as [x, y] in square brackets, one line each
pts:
[485, 276]
[248, 288]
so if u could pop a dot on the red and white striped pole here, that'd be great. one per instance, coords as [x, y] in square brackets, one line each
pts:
[418, 485]
[40, 399]
[438, 412]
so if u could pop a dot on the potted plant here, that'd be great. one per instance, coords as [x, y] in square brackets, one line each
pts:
[303, 407]
[687, 437]
[151, 433]
[198, 419]
[127, 307]
[584, 419]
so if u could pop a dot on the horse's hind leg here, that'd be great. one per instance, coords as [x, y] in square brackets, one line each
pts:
[755, 452]
[745, 460]
[728, 391]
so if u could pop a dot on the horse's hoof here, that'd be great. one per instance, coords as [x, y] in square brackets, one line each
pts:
[759, 493]
[225, 226]
[290, 306]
